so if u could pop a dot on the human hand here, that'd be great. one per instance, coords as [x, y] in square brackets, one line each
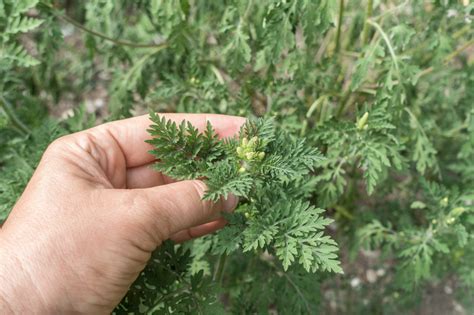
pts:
[92, 214]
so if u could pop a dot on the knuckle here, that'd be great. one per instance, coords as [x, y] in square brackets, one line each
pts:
[56, 149]
[57, 144]
[70, 143]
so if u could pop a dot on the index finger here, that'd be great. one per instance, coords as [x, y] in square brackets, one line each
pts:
[130, 134]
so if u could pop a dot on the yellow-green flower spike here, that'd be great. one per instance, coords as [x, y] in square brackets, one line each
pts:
[458, 211]
[250, 155]
[253, 142]
[450, 220]
[362, 122]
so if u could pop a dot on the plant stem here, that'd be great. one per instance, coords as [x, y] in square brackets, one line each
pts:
[365, 30]
[461, 32]
[247, 11]
[390, 11]
[449, 57]
[389, 45]
[120, 42]
[343, 102]
[293, 284]
[423, 46]
[219, 270]
[339, 25]
[8, 109]
[347, 94]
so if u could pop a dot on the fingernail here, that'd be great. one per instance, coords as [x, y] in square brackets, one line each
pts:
[230, 203]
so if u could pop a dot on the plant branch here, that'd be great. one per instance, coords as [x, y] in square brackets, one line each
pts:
[120, 42]
[346, 96]
[389, 45]
[293, 284]
[343, 101]
[368, 14]
[339, 25]
[247, 11]
[449, 57]
[390, 11]
[219, 270]
[10, 112]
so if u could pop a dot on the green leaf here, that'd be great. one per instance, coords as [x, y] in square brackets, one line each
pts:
[21, 24]
[17, 55]
[363, 64]
[418, 205]
[21, 6]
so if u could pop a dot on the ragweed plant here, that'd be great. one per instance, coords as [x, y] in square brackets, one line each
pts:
[266, 168]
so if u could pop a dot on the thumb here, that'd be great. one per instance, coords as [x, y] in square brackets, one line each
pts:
[167, 209]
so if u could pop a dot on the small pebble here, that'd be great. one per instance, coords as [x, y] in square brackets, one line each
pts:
[355, 282]
[380, 272]
[448, 290]
[371, 276]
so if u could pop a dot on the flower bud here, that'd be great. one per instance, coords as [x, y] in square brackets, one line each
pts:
[250, 155]
[253, 142]
[450, 220]
[362, 122]
[458, 211]
[261, 155]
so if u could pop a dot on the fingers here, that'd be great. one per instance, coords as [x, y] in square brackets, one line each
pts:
[168, 209]
[130, 134]
[145, 176]
[198, 231]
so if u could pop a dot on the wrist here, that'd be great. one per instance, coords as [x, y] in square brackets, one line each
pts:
[19, 291]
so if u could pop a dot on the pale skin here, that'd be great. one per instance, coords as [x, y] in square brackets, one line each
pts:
[93, 213]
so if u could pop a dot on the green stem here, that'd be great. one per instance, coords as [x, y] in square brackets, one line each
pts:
[461, 32]
[341, 210]
[347, 94]
[449, 57]
[422, 47]
[247, 10]
[219, 270]
[339, 25]
[293, 284]
[8, 109]
[101, 35]
[343, 103]
[389, 45]
[368, 14]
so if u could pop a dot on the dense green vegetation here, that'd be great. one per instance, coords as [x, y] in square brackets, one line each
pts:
[368, 113]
